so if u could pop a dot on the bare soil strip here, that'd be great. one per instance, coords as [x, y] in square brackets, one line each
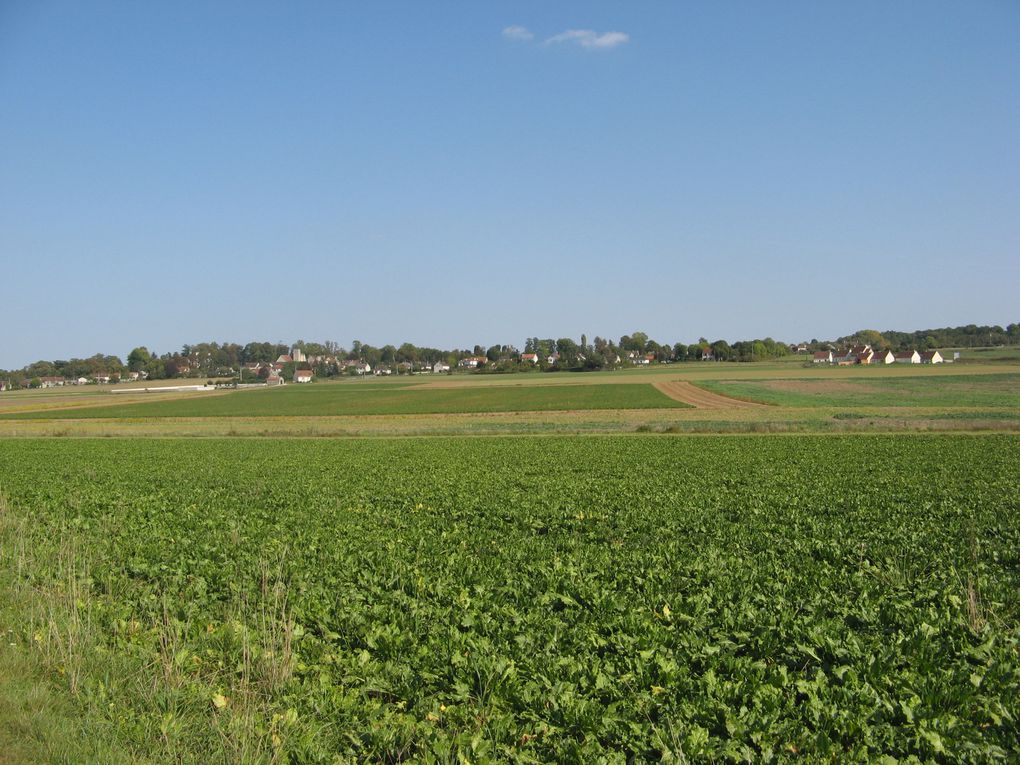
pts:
[701, 398]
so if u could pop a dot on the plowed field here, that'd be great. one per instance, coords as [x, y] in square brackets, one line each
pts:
[701, 398]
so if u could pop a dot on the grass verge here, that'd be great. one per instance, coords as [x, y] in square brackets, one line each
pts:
[82, 683]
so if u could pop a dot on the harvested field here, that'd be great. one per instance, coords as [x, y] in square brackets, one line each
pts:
[701, 398]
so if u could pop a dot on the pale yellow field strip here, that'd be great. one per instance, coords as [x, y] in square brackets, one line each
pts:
[683, 391]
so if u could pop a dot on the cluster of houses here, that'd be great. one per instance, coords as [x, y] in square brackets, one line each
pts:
[865, 354]
[99, 378]
[274, 370]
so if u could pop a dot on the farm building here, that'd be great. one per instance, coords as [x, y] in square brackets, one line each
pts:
[302, 375]
[439, 367]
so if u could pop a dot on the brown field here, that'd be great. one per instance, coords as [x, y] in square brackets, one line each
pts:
[680, 390]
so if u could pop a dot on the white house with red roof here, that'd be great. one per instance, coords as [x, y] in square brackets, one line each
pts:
[303, 375]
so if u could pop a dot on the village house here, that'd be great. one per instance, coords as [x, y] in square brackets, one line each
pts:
[883, 357]
[5, 384]
[383, 371]
[51, 382]
[931, 357]
[472, 362]
[862, 354]
[855, 354]
[302, 375]
[439, 367]
[101, 377]
[284, 358]
[530, 358]
[908, 357]
[822, 357]
[274, 379]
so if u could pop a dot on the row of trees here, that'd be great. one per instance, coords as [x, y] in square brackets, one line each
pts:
[214, 359]
[969, 336]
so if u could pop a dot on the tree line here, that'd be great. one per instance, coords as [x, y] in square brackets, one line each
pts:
[969, 336]
[213, 359]
[326, 359]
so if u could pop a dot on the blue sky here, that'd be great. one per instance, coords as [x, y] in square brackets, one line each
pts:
[425, 172]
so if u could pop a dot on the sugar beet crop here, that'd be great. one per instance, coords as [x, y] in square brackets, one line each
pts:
[538, 599]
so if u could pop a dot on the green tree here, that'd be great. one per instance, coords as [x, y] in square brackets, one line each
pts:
[139, 359]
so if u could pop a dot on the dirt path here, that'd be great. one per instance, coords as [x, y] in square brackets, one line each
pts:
[700, 398]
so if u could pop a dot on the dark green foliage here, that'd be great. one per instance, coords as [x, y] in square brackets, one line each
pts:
[369, 398]
[574, 600]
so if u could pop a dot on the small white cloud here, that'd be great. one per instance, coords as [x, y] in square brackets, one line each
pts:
[588, 38]
[518, 33]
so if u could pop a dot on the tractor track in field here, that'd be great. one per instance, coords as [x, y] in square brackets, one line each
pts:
[700, 398]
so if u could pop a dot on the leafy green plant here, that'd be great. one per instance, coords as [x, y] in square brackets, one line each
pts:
[841, 598]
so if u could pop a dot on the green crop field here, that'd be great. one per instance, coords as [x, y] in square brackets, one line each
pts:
[992, 390]
[351, 399]
[614, 599]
